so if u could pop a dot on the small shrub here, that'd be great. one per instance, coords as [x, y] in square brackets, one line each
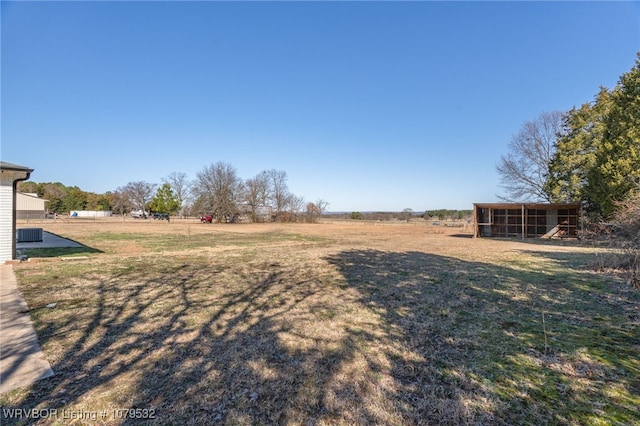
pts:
[625, 237]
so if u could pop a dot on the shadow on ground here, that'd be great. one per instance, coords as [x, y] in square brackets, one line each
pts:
[398, 338]
[58, 251]
[54, 245]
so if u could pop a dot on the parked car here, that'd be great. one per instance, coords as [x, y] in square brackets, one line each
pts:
[160, 216]
[206, 219]
[139, 214]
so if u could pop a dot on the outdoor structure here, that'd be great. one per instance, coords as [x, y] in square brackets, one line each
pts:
[93, 214]
[524, 220]
[10, 175]
[30, 206]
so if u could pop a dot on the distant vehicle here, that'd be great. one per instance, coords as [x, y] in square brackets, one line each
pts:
[139, 214]
[206, 219]
[160, 216]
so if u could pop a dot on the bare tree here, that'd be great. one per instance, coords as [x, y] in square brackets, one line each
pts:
[295, 206]
[626, 221]
[313, 212]
[256, 194]
[140, 193]
[322, 206]
[120, 201]
[279, 195]
[180, 186]
[406, 214]
[316, 210]
[219, 191]
[525, 169]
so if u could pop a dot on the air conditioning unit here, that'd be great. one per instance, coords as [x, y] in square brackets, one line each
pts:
[29, 235]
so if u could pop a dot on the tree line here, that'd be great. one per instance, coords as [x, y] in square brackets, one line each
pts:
[217, 190]
[407, 215]
[63, 199]
[588, 155]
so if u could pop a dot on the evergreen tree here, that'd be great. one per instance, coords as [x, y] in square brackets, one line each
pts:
[165, 200]
[597, 160]
[576, 150]
[616, 171]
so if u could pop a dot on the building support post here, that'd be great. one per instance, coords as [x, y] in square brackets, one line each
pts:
[523, 223]
[475, 221]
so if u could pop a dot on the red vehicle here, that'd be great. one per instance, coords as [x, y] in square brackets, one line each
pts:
[206, 219]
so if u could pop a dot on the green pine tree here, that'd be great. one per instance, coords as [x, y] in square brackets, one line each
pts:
[616, 171]
[597, 160]
[576, 150]
[165, 200]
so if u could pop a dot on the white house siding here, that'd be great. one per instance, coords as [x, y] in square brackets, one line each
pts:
[9, 174]
[6, 217]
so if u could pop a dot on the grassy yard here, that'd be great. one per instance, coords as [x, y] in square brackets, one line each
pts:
[329, 324]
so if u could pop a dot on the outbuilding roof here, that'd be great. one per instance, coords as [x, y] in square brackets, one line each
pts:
[539, 206]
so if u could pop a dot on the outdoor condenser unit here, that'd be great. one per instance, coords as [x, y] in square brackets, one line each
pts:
[29, 235]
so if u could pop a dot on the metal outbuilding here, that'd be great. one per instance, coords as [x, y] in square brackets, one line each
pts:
[30, 206]
[10, 175]
[543, 220]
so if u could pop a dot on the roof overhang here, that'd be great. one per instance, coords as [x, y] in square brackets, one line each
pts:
[14, 172]
[538, 206]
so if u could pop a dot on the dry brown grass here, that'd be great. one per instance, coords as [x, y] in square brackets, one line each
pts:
[330, 323]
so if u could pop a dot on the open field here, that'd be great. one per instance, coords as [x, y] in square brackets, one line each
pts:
[329, 323]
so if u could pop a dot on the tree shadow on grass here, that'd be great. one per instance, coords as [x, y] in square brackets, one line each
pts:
[494, 345]
[164, 338]
[398, 338]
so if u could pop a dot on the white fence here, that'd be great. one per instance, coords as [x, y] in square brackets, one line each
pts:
[90, 213]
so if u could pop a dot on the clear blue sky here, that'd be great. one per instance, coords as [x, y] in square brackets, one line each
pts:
[368, 105]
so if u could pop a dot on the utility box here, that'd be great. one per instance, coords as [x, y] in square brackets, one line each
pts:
[29, 235]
